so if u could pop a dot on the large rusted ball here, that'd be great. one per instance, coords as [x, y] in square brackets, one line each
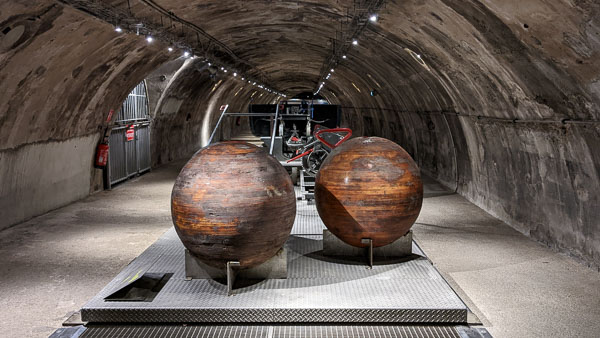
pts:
[369, 187]
[233, 202]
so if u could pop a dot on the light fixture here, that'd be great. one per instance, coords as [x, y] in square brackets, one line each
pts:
[344, 56]
[234, 74]
[209, 64]
[149, 39]
[118, 29]
[244, 79]
[332, 70]
[225, 70]
[419, 56]
[373, 18]
[170, 49]
[186, 54]
[355, 42]
[222, 68]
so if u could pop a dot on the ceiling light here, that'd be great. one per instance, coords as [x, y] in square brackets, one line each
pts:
[332, 70]
[225, 70]
[373, 18]
[170, 49]
[344, 56]
[149, 39]
[186, 54]
[244, 79]
[209, 63]
[234, 74]
[355, 42]
[118, 29]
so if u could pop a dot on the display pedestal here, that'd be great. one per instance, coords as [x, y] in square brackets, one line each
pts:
[333, 246]
[274, 268]
[317, 289]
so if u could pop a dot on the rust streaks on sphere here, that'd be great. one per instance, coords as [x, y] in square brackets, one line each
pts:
[233, 202]
[369, 188]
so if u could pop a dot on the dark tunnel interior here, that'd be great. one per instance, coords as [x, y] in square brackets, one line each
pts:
[497, 100]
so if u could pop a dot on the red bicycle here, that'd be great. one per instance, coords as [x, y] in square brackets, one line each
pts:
[319, 146]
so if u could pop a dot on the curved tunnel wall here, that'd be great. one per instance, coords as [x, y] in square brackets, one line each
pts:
[505, 109]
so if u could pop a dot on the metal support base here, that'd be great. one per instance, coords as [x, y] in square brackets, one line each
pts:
[274, 268]
[232, 270]
[333, 246]
[369, 251]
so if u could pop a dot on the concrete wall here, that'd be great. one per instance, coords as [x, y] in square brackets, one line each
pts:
[43, 176]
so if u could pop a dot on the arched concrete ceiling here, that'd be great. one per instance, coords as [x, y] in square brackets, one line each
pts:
[502, 58]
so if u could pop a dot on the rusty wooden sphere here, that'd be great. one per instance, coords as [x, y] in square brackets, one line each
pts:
[369, 187]
[233, 202]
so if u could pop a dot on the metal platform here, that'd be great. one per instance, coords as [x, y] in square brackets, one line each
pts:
[318, 289]
[307, 220]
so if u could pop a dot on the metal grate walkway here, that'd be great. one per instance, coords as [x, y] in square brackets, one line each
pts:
[358, 331]
[318, 289]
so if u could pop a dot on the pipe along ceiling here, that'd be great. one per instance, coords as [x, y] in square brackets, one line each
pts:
[499, 100]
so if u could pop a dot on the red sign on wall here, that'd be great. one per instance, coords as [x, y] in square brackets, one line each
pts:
[110, 114]
[130, 133]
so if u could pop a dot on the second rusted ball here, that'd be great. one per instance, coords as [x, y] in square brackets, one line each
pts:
[369, 187]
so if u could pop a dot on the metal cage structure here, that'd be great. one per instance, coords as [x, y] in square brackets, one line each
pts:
[129, 141]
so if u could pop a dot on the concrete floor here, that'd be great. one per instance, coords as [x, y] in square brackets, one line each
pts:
[51, 265]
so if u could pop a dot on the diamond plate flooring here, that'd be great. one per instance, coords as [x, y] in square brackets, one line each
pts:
[318, 288]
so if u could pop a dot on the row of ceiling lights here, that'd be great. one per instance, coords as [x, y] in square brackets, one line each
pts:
[372, 18]
[187, 54]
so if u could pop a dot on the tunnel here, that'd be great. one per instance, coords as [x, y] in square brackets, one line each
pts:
[497, 102]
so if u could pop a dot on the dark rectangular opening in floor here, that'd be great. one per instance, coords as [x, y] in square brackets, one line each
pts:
[143, 289]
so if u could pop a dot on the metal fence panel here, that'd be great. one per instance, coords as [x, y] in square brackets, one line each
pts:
[129, 158]
[135, 106]
[117, 157]
[143, 147]
[132, 166]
